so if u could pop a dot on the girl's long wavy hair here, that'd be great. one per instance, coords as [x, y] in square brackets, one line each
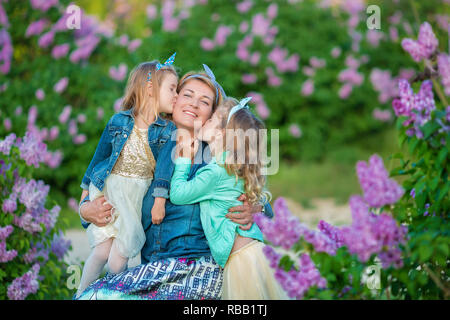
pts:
[238, 144]
[136, 92]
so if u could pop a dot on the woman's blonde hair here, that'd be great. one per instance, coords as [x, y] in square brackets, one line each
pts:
[250, 170]
[136, 94]
[203, 77]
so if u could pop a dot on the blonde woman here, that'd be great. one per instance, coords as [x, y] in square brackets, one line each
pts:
[123, 167]
[234, 169]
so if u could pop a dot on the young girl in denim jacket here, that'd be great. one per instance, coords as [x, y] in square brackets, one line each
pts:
[123, 167]
[235, 168]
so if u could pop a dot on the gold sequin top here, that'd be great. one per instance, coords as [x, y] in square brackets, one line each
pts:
[136, 159]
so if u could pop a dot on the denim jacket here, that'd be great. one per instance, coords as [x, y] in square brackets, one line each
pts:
[111, 143]
[181, 233]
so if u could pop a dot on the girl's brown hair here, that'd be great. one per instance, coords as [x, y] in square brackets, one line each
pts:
[136, 94]
[203, 77]
[250, 170]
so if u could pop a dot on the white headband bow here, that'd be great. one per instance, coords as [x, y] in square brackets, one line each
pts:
[242, 104]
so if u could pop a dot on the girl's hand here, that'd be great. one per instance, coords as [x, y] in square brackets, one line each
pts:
[245, 213]
[158, 210]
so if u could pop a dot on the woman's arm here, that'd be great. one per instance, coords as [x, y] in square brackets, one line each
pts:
[198, 189]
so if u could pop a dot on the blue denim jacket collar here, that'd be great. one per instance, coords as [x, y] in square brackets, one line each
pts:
[159, 121]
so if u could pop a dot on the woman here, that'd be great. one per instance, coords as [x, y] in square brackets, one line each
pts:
[176, 260]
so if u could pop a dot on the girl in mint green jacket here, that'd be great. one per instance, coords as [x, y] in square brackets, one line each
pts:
[232, 134]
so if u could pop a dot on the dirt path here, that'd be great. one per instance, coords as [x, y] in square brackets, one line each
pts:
[324, 209]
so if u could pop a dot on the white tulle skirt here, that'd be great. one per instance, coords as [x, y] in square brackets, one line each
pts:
[125, 195]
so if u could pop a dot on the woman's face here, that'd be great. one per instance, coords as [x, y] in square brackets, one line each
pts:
[193, 106]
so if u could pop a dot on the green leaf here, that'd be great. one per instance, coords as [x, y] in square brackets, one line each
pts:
[425, 253]
[286, 263]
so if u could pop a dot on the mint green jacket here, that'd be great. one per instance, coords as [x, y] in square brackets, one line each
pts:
[217, 192]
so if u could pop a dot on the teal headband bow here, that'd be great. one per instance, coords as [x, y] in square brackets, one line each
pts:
[242, 104]
[159, 65]
[212, 77]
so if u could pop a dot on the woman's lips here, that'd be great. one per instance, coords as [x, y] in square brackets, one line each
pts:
[191, 114]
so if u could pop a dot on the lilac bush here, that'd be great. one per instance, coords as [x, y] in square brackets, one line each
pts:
[32, 245]
[404, 228]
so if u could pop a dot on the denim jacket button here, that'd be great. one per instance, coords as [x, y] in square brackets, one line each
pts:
[124, 135]
[117, 153]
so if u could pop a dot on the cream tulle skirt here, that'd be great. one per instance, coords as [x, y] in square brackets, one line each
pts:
[248, 276]
[125, 195]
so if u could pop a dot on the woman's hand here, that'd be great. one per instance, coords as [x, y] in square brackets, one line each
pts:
[98, 211]
[158, 210]
[245, 215]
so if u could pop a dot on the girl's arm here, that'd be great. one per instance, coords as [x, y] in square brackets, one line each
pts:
[198, 189]
[102, 152]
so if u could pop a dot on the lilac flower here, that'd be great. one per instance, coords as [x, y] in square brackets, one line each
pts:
[134, 44]
[5, 232]
[374, 37]
[261, 107]
[43, 5]
[151, 11]
[60, 51]
[61, 85]
[425, 45]
[378, 189]
[100, 113]
[7, 123]
[22, 286]
[207, 44]
[295, 131]
[40, 94]
[331, 232]
[297, 283]
[422, 103]
[118, 73]
[32, 149]
[79, 139]
[46, 39]
[10, 204]
[384, 84]
[336, 52]
[3, 17]
[260, 25]
[351, 76]
[32, 115]
[118, 104]
[244, 6]
[65, 114]
[222, 34]
[5, 52]
[382, 115]
[81, 118]
[307, 87]
[28, 223]
[444, 70]
[413, 193]
[18, 111]
[272, 11]
[6, 255]
[273, 80]
[248, 78]
[243, 27]
[33, 194]
[60, 245]
[36, 27]
[53, 159]
[73, 129]
[284, 229]
[7, 143]
[345, 90]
